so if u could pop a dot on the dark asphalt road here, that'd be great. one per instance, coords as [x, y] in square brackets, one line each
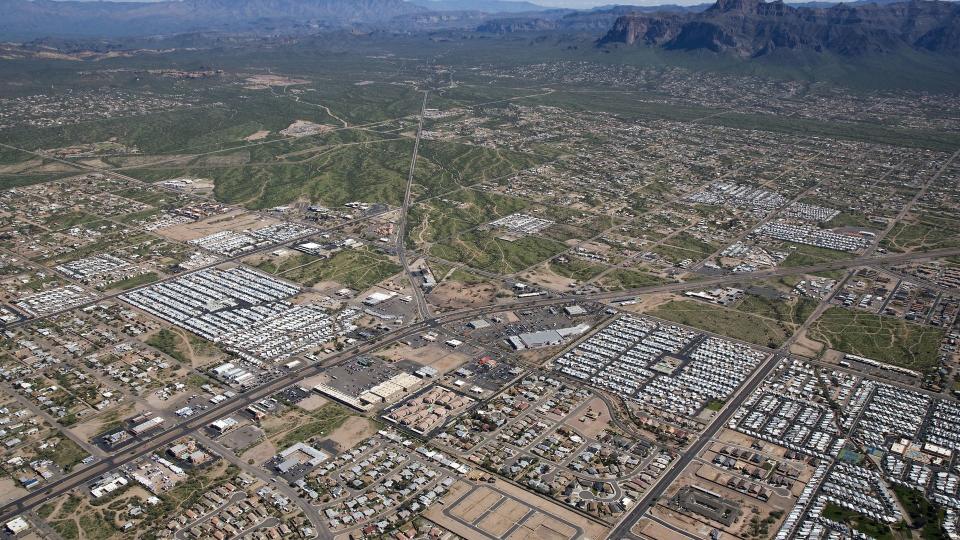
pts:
[88, 474]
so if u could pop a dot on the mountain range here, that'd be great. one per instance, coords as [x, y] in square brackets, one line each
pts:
[597, 20]
[40, 18]
[746, 28]
[752, 28]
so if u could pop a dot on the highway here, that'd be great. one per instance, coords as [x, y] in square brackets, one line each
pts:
[423, 311]
[427, 320]
[88, 474]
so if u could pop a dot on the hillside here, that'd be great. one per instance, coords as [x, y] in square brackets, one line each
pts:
[25, 19]
[755, 28]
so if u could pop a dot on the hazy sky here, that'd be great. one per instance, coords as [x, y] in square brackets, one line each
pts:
[572, 3]
[594, 3]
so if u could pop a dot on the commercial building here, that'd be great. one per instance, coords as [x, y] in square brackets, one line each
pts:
[224, 425]
[299, 454]
[108, 484]
[147, 426]
[17, 525]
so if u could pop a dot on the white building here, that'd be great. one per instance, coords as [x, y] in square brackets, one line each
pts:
[17, 525]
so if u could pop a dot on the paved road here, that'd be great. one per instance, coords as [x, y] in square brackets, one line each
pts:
[80, 478]
[91, 449]
[909, 206]
[719, 421]
[310, 511]
[423, 311]
[243, 400]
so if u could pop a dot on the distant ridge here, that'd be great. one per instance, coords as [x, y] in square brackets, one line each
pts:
[25, 19]
[488, 6]
[755, 28]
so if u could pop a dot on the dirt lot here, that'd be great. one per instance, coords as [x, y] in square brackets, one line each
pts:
[699, 526]
[500, 521]
[277, 426]
[15, 168]
[647, 528]
[260, 453]
[506, 511]
[236, 220]
[647, 302]
[242, 438]
[543, 527]
[262, 134]
[543, 277]
[454, 294]
[312, 403]
[9, 490]
[804, 346]
[353, 431]
[476, 504]
[434, 355]
[169, 160]
[92, 427]
[592, 427]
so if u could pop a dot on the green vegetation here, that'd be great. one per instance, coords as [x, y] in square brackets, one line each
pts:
[447, 272]
[447, 217]
[336, 168]
[623, 278]
[95, 525]
[481, 251]
[440, 270]
[339, 175]
[692, 244]
[197, 380]
[793, 312]
[924, 515]
[44, 511]
[11, 156]
[230, 115]
[71, 504]
[676, 254]
[719, 320]
[627, 105]
[66, 454]
[358, 269]
[760, 528]
[202, 347]
[860, 522]
[67, 220]
[66, 528]
[323, 421]
[447, 164]
[562, 232]
[885, 339]
[170, 343]
[576, 268]
[850, 219]
[804, 255]
[135, 281]
[920, 237]
[462, 275]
